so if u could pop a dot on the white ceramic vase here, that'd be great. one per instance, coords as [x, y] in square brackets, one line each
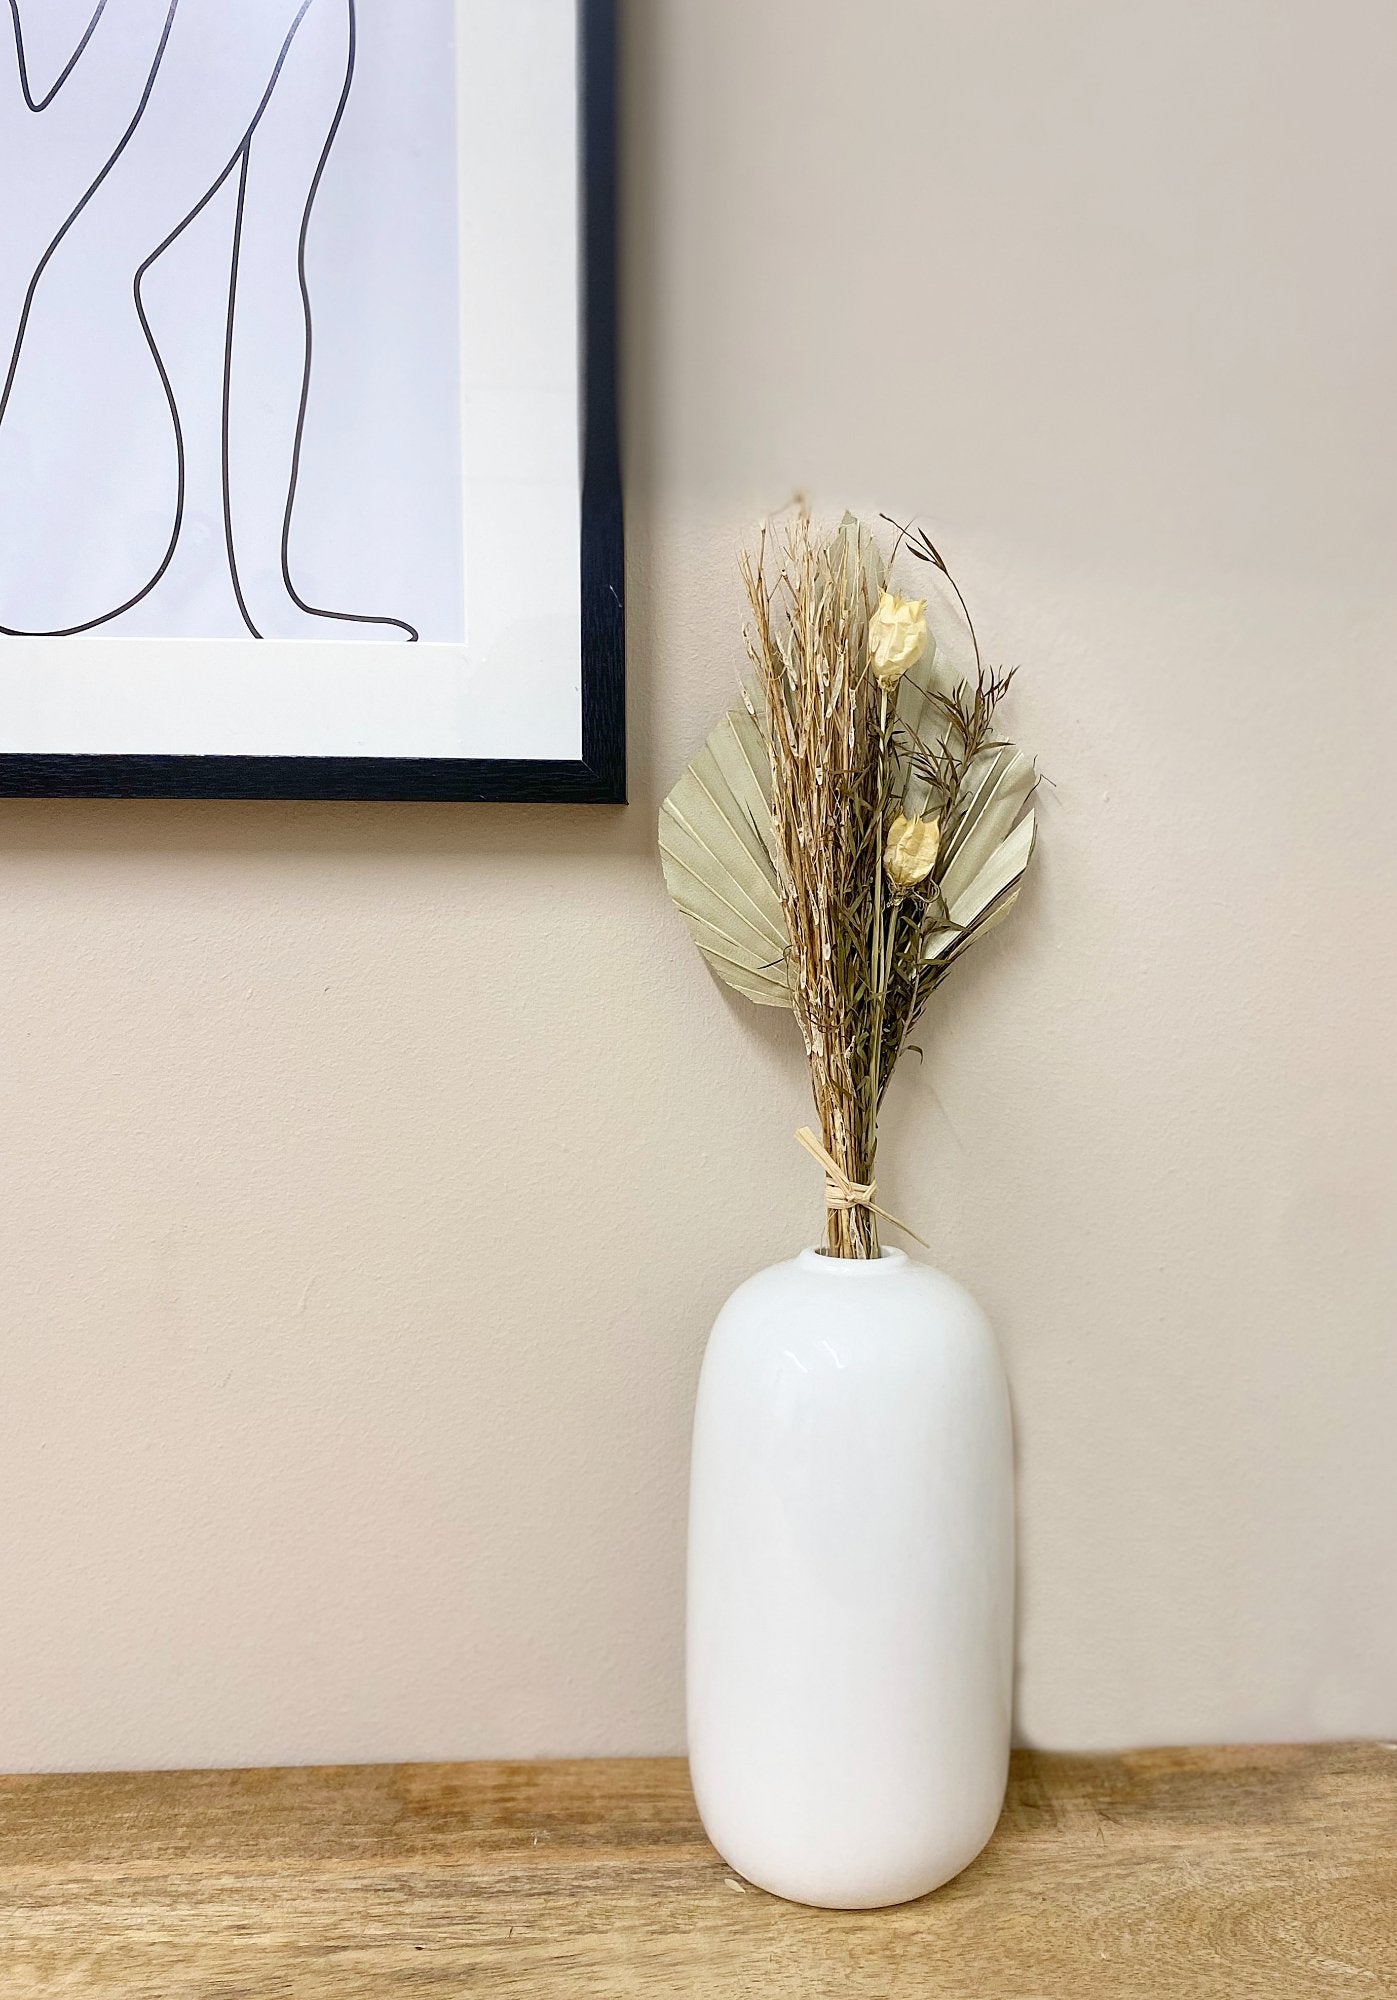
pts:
[850, 1635]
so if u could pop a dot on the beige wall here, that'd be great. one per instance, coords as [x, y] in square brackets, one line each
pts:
[370, 1175]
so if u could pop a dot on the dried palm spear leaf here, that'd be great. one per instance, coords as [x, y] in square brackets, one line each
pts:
[718, 851]
[986, 857]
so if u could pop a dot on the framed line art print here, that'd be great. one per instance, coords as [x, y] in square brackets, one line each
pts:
[309, 480]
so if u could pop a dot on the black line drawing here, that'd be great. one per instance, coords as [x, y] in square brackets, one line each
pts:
[43, 103]
[238, 163]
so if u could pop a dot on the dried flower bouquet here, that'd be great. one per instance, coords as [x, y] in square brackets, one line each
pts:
[849, 828]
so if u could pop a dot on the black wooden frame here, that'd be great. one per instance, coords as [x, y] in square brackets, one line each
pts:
[599, 776]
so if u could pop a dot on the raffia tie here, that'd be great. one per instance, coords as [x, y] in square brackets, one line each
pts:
[841, 1193]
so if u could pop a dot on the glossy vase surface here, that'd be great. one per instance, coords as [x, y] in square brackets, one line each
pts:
[850, 1588]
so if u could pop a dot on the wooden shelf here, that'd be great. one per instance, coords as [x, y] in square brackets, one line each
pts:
[1188, 1873]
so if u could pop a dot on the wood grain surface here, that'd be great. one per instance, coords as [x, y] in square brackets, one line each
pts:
[1165, 1873]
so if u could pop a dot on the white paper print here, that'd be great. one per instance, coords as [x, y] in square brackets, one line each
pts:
[230, 387]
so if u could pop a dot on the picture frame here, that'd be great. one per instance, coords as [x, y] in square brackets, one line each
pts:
[586, 558]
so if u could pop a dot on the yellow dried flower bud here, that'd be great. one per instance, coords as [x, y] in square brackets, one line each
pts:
[913, 845]
[897, 636]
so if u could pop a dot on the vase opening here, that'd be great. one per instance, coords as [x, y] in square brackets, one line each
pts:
[821, 1260]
